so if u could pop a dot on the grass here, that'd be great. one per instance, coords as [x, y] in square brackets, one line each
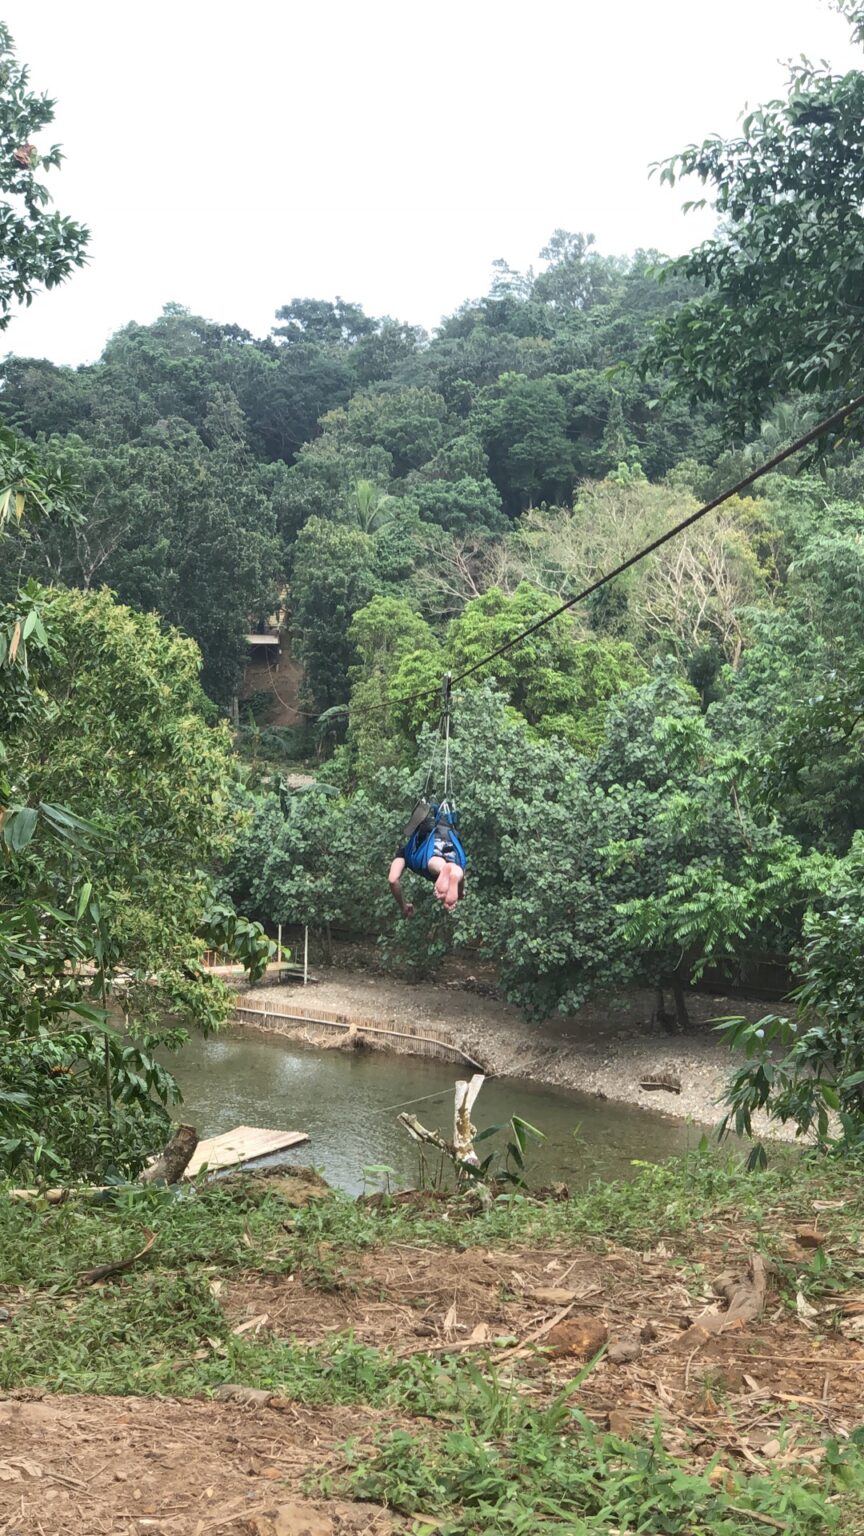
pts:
[472, 1452]
[512, 1470]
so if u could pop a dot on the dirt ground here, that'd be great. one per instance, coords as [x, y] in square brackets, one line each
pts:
[516, 1305]
[114, 1466]
[605, 1049]
[773, 1389]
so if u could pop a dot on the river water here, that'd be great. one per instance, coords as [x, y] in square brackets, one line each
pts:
[348, 1101]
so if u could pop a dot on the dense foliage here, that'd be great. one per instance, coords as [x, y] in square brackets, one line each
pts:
[665, 779]
[113, 794]
[781, 279]
[37, 247]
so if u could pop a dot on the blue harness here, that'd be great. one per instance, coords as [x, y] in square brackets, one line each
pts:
[420, 847]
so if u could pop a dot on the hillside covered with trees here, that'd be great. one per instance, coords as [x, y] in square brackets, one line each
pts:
[665, 778]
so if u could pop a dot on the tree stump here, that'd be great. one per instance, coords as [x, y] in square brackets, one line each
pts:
[172, 1162]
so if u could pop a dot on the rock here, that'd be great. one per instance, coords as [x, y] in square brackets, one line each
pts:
[251, 1397]
[553, 1296]
[297, 1186]
[623, 1350]
[5, 1315]
[580, 1337]
[298, 1519]
[622, 1422]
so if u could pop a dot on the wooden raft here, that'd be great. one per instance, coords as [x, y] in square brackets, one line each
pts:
[242, 1145]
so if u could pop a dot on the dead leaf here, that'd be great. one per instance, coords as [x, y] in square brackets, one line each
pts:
[252, 1324]
[805, 1311]
[770, 1449]
[300, 1519]
[450, 1322]
[745, 1295]
[809, 1237]
[621, 1421]
[479, 1334]
[216, 1287]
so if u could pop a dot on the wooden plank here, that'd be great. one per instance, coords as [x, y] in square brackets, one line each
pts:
[241, 1145]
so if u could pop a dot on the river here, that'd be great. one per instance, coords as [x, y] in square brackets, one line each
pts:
[348, 1101]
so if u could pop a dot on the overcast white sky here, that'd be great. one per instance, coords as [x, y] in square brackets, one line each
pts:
[231, 157]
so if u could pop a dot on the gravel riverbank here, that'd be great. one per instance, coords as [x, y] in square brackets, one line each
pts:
[606, 1049]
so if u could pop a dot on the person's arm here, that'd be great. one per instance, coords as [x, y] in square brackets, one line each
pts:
[397, 869]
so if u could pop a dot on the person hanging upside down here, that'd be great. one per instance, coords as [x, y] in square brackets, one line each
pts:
[431, 849]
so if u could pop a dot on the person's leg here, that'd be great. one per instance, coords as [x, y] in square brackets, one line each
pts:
[457, 875]
[440, 868]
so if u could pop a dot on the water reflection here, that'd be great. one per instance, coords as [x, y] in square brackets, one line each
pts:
[348, 1103]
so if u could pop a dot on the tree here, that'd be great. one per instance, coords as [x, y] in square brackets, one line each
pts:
[371, 508]
[804, 1067]
[37, 248]
[522, 424]
[540, 901]
[338, 325]
[102, 710]
[175, 527]
[332, 577]
[409, 424]
[782, 283]
[394, 646]
[560, 682]
[121, 733]
[714, 874]
[576, 276]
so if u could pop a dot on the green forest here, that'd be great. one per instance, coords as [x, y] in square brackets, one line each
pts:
[586, 561]
[665, 779]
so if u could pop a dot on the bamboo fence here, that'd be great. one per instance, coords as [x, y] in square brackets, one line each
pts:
[428, 1042]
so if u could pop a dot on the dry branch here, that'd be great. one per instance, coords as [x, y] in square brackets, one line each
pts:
[104, 1271]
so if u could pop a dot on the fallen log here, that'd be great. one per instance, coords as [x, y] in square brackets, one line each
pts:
[171, 1164]
[667, 1081]
[745, 1297]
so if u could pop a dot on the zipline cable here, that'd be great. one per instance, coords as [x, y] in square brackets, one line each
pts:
[836, 419]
